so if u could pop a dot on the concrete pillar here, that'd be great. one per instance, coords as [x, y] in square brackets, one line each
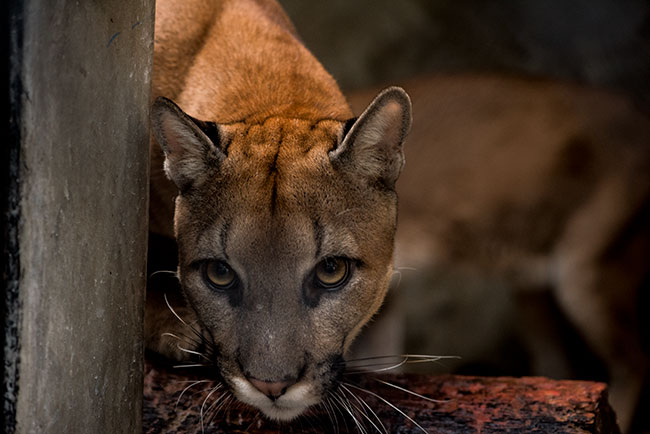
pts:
[75, 202]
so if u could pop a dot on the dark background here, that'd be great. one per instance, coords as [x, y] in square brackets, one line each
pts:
[366, 42]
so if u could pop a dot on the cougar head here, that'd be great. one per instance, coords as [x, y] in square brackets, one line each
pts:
[285, 233]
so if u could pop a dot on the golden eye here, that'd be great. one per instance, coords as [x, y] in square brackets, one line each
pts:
[218, 274]
[332, 272]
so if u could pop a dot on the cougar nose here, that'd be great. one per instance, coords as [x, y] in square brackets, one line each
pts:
[273, 390]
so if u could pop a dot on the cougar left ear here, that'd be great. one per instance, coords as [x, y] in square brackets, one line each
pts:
[373, 146]
[190, 146]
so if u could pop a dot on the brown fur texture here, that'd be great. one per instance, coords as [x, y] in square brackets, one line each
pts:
[272, 185]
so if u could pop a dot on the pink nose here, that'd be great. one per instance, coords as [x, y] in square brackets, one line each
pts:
[273, 390]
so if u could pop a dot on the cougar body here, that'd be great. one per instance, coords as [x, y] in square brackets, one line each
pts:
[540, 186]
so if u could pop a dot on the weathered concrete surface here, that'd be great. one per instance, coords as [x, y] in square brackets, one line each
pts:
[85, 74]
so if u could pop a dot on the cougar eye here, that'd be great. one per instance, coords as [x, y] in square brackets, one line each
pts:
[218, 275]
[331, 273]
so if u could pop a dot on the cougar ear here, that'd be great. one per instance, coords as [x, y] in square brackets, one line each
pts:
[191, 146]
[373, 146]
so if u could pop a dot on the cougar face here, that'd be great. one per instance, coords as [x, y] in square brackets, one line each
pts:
[285, 233]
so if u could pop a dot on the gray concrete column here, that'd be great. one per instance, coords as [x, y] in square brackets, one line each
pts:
[76, 215]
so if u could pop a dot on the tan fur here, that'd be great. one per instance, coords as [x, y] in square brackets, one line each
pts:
[545, 185]
[269, 184]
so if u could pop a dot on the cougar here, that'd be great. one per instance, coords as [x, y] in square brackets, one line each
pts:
[285, 206]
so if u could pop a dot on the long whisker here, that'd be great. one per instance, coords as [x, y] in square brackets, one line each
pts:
[192, 341]
[185, 350]
[172, 335]
[184, 338]
[351, 368]
[330, 404]
[221, 406]
[326, 405]
[186, 389]
[410, 392]
[193, 365]
[393, 406]
[400, 356]
[173, 311]
[197, 333]
[361, 370]
[363, 412]
[185, 381]
[216, 401]
[199, 337]
[365, 404]
[343, 403]
[360, 411]
[174, 273]
[203, 405]
[429, 356]
[426, 360]
[338, 410]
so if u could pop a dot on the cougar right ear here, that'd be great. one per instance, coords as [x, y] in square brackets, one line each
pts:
[372, 148]
[190, 146]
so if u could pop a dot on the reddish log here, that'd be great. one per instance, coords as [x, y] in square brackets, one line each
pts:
[467, 405]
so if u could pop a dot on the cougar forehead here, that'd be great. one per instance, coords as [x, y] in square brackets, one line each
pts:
[280, 159]
[278, 179]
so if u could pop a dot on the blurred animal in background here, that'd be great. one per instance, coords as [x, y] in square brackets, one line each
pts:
[524, 229]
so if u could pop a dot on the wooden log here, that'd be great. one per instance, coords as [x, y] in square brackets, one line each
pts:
[463, 404]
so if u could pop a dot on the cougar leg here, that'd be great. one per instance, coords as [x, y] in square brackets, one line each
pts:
[601, 261]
